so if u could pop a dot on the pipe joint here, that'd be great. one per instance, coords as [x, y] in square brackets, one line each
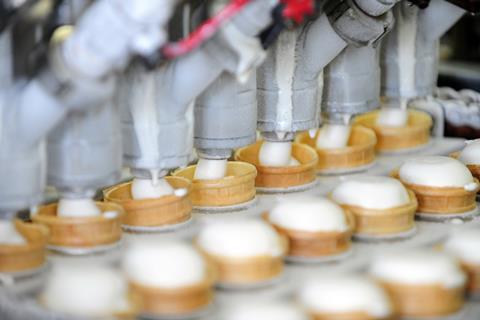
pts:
[356, 27]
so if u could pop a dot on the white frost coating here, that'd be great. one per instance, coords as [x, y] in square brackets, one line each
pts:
[265, 311]
[85, 290]
[393, 117]
[211, 169]
[465, 245]
[435, 171]
[276, 154]
[333, 136]
[148, 189]
[164, 264]
[407, 37]
[371, 192]
[471, 153]
[284, 75]
[421, 267]
[77, 208]
[308, 213]
[343, 294]
[9, 234]
[240, 239]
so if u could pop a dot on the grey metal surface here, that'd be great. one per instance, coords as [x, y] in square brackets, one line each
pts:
[300, 56]
[352, 82]
[226, 115]
[428, 25]
[85, 151]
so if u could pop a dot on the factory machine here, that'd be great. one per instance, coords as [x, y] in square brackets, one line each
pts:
[232, 159]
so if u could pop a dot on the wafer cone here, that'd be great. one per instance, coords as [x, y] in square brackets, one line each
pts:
[425, 300]
[360, 150]
[174, 301]
[385, 221]
[22, 257]
[83, 232]
[474, 168]
[391, 139]
[237, 187]
[359, 315]
[164, 211]
[249, 270]
[473, 272]
[317, 244]
[281, 177]
[442, 200]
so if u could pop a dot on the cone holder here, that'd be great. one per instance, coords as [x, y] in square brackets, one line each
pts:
[425, 300]
[174, 302]
[282, 179]
[357, 156]
[17, 258]
[442, 200]
[84, 232]
[384, 222]
[321, 244]
[247, 272]
[238, 187]
[163, 212]
[399, 139]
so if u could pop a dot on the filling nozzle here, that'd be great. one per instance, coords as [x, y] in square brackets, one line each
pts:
[276, 150]
[335, 131]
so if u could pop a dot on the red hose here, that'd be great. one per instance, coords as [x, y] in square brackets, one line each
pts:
[297, 10]
[204, 32]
